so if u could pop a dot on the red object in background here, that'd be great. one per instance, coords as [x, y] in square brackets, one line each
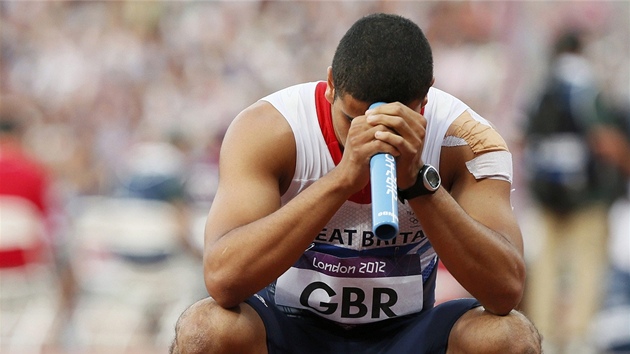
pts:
[23, 195]
[22, 176]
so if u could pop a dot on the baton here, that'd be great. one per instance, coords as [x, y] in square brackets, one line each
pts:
[384, 194]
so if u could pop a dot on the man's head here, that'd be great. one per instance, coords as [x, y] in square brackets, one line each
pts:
[383, 58]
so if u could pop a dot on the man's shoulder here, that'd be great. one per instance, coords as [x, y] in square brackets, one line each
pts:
[301, 89]
[261, 116]
[439, 97]
[261, 137]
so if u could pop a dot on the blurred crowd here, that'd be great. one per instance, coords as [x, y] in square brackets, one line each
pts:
[123, 104]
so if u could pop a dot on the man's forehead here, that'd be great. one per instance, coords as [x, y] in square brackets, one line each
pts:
[352, 107]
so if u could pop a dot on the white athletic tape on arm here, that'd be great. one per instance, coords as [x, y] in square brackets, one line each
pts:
[452, 141]
[493, 165]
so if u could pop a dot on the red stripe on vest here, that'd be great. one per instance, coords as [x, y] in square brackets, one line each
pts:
[324, 116]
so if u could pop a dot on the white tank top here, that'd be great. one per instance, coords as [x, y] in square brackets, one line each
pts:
[348, 275]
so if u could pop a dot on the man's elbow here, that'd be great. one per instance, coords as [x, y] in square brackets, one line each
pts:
[504, 303]
[222, 290]
[508, 296]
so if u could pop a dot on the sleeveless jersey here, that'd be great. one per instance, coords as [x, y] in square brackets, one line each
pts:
[348, 275]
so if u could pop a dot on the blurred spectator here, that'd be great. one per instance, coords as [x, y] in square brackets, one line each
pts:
[612, 328]
[573, 190]
[158, 169]
[153, 170]
[22, 175]
[30, 238]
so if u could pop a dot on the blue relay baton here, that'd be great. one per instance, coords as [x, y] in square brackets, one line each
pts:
[384, 194]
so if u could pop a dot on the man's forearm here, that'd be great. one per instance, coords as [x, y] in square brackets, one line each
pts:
[250, 257]
[485, 262]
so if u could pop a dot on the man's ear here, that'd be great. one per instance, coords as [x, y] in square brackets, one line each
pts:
[426, 98]
[330, 86]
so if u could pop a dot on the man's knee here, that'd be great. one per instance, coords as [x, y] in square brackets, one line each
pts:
[479, 331]
[206, 327]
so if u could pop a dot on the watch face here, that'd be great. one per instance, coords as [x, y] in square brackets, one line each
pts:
[433, 178]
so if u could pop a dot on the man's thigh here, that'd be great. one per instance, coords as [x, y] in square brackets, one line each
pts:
[430, 332]
[424, 333]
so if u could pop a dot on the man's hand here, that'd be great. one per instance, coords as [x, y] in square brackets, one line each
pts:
[399, 130]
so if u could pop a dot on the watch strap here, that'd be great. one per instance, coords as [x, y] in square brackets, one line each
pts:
[419, 187]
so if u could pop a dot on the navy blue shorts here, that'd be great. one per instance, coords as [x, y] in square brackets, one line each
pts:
[426, 332]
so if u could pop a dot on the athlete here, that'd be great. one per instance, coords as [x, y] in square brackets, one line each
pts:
[290, 261]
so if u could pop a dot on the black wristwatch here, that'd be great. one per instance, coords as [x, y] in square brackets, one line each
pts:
[428, 182]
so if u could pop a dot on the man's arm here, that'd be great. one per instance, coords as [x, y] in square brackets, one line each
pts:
[469, 222]
[475, 233]
[250, 239]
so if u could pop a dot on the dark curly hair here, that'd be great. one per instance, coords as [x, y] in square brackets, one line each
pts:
[383, 58]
